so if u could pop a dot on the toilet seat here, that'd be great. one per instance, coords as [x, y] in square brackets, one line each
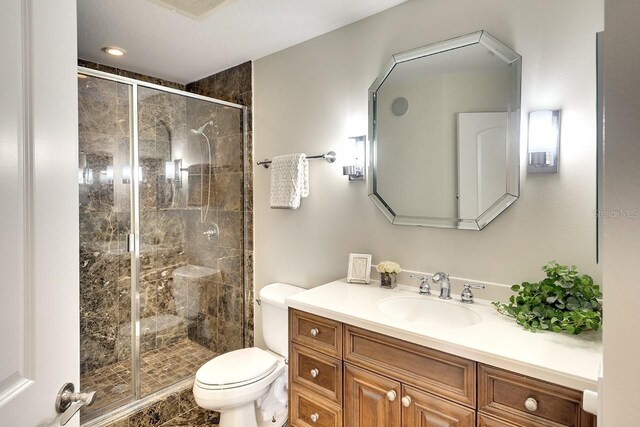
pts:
[236, 369]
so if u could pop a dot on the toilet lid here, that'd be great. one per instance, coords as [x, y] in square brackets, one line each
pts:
[237, 367]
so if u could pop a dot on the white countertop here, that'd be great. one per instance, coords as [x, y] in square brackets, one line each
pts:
[571, 361]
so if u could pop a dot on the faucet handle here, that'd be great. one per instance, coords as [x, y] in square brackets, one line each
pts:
[425, 288]
[467, 296]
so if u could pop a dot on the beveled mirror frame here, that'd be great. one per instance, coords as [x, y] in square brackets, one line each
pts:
[511, 58]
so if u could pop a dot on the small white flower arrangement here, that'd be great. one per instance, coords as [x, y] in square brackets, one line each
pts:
[388, 267]
[388, 271]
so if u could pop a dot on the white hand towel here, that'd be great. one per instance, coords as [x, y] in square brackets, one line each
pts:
[289, 180]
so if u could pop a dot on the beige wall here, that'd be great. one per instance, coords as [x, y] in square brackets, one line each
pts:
[310, 97]
[621, 250]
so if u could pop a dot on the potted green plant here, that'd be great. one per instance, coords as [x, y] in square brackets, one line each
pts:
[564, 301]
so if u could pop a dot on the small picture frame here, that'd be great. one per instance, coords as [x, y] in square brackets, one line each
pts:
[359, 268]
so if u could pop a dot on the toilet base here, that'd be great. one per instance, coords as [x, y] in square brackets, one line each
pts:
[278, 420]
[245, 416]
[239, 416]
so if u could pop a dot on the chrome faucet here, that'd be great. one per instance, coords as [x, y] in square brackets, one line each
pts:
[425, 289]
[445, 285]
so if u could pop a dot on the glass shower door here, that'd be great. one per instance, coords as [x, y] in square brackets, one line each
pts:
[162, 236]
[104, 180]
[191, 235]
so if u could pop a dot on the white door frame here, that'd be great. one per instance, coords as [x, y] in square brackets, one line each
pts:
[39, 314]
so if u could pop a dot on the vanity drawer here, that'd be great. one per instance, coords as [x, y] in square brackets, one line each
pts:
[503, 394]
[316, 372]
[440, 373]
[307, 406]
[319, 333]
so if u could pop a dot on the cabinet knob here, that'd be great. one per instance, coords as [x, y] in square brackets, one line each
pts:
[406, 401]
[531, 404]
[314, 373]
[314, 417]
[391, 395]
[314, 332]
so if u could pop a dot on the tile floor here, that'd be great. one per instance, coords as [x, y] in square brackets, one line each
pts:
[158, 368]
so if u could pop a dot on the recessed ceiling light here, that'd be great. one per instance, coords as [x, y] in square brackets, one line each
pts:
[112, 50]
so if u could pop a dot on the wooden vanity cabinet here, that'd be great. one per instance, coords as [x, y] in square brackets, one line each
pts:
[341, 375]
[397, 383]
[527, 402]
[426, 409]
[370, 400]
[315, 371]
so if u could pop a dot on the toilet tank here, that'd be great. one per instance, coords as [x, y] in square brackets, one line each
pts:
[275, 317]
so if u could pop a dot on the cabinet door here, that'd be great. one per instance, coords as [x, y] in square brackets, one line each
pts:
[370, 400]
[487, 421]
[422, 409]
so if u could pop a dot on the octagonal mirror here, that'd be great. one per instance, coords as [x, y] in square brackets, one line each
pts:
[444, 126]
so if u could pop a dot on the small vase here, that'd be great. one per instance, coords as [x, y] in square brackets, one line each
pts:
[388, 280]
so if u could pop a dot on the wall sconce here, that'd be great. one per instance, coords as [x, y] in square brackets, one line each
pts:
[544, 141]
[126, 174]
[354, 153]
[173, 172]
[106, 176]
[85, 174]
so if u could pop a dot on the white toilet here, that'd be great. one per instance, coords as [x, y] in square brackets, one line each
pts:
[249, 386]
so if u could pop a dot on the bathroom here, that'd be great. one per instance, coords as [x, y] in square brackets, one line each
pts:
[143, 240]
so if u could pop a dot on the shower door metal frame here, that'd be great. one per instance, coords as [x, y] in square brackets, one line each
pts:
[135, 402]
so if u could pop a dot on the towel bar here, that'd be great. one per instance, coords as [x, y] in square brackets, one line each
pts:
[329, 157]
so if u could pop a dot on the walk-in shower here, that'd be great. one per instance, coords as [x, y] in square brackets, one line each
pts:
[162, 289]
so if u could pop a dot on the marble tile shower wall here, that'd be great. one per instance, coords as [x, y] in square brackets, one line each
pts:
[235, 85]
[219, 186]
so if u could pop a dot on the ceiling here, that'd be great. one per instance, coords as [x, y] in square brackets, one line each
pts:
[166, 44]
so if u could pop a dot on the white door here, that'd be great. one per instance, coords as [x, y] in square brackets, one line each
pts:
[482, 162]
[39, 330]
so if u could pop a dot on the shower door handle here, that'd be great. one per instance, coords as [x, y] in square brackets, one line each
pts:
[131, 242]
[68, 402]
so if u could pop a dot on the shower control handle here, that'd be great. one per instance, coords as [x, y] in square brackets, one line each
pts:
[68, 402]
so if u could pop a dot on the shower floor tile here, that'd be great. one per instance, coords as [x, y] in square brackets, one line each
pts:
[159, 368]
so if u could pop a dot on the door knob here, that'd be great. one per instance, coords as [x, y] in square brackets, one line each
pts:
[406, 401]
[68, 402]
[391, 395]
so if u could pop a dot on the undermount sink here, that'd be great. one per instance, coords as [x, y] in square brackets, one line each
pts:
[429, 310]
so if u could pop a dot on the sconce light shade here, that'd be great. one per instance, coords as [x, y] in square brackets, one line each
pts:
[544, 141]
[354, 152]
[173, 172]
[126, 174]
[169, 171]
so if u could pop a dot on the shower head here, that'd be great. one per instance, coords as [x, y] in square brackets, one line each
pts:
[201, 128]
